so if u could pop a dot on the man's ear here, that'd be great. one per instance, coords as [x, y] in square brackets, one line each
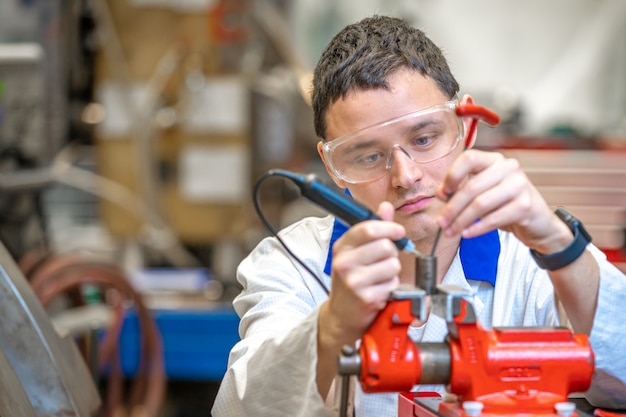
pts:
[338, 182]
[467, 122]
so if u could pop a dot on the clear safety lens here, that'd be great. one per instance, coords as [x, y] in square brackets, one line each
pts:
[423, 136]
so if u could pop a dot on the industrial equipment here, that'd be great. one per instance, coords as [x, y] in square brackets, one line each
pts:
[43, 374]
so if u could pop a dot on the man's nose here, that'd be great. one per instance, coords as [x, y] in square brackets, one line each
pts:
[393, 152]
[402, 167]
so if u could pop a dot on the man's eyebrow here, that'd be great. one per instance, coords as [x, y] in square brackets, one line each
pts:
[424, 123]
[364, 143]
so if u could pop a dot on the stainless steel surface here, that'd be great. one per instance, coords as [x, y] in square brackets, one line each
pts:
[11, 387]
[50, 369]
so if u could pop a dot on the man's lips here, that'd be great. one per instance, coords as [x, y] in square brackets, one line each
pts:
[415, 204]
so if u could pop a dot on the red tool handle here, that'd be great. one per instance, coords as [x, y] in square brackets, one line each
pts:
[477, 113]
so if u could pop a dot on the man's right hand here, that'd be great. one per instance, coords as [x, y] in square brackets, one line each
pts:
[365, 270]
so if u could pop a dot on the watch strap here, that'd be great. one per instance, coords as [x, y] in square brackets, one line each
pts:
[572, 252]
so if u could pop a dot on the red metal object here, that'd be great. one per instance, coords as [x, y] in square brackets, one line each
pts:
[408, 408]
[478, 114]
[511, 371]
[522, 370]
[390, 361]
[615, 255]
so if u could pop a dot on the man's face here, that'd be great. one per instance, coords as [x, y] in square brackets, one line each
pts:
[408, 185]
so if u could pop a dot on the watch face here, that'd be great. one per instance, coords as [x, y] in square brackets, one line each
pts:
[566, 216]
[573, 223]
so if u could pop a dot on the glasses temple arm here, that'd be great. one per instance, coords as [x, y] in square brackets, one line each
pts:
[477, 113]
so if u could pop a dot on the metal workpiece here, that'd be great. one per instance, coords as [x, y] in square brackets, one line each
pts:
[50, 369]
[435, 361]
[426, 273]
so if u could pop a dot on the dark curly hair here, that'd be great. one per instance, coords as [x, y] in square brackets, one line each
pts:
[364, 54]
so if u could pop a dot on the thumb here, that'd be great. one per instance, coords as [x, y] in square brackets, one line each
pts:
[385, 211]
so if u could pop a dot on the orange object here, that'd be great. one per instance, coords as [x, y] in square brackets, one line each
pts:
[478, 114]
[509, 370]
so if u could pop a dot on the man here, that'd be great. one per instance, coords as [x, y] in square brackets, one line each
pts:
[383, 101]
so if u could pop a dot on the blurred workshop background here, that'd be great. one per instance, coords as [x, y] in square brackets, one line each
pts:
[132, 133]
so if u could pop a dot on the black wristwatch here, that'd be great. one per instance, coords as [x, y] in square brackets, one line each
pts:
[568, 255]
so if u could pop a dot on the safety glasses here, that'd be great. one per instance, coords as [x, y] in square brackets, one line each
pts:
[423, 136]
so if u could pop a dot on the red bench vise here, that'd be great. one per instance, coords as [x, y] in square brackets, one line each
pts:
[503, 371]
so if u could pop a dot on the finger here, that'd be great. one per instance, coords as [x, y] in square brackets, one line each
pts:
[510, 194]
[368, 231]
[373, 275]
[376, 296]
[468, 163]
[475, 192]
[366, 260]
[357, 309]
[487, 223]
[386, 211]
[525, 213]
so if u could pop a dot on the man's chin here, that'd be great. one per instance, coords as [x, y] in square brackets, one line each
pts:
[419, 226]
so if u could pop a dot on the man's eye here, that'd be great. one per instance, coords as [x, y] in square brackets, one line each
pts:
[424, 141]
[369, 159]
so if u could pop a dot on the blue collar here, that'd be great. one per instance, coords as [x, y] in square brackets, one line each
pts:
[479, 255]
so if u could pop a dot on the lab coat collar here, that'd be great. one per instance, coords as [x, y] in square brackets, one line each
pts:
[479, 255]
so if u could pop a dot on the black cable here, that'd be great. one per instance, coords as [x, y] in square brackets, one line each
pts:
[350, 212]
[270, 228]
